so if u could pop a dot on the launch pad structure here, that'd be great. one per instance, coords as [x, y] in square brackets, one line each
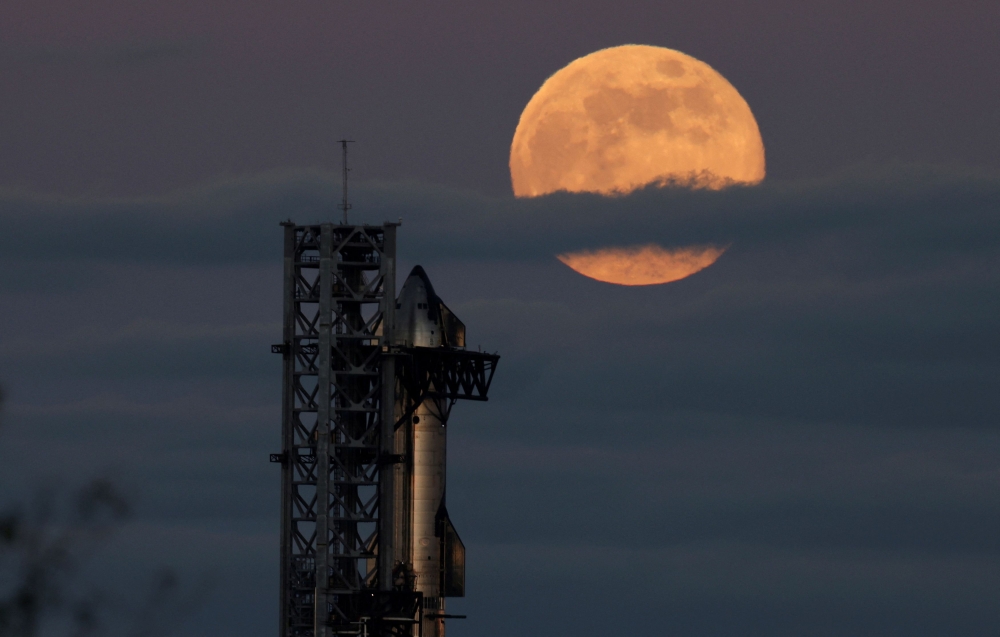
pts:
[366, 397]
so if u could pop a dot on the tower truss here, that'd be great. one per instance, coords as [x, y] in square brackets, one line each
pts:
[337, 396]
[346, 390]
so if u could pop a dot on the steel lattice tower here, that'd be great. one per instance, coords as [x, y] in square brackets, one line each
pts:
[349, 393]
[339, 289]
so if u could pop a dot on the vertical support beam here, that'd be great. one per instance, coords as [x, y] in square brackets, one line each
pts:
[387, 437]
[338, 402]
[323, 400]
[287, 432]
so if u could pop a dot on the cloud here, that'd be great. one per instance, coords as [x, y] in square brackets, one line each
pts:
[810, 420]
[870, 296]
[155, 349]
[902, 212]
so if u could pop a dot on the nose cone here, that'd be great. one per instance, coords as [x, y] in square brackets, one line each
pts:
[422, 319]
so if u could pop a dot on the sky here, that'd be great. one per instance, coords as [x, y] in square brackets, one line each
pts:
[800, 440]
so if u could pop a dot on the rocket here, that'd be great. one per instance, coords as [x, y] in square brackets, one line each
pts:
[432, 556]
[369, 379]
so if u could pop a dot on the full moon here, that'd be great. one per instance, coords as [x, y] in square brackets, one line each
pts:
[629, 116]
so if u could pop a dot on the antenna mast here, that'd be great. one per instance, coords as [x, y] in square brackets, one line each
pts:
[345, 206]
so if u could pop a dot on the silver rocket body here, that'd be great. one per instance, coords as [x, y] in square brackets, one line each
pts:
[422, 319]
[433, 558]
[370, 372]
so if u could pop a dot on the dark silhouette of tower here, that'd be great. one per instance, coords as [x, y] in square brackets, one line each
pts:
[367, 546]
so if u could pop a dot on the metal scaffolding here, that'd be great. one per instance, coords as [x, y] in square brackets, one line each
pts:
[348, 389]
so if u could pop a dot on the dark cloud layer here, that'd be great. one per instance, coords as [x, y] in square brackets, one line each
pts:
[891, 213]
[800, 440]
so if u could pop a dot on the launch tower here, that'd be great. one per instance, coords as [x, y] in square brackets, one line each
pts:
[369, 380]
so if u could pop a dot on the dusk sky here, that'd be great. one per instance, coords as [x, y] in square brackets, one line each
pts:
[801, 439]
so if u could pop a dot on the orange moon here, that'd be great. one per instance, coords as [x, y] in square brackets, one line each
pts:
[641, 265]
[627, 117]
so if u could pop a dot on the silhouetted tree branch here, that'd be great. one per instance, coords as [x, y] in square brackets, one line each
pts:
[43, 546]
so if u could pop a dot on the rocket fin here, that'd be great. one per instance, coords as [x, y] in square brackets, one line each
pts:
[452, 557]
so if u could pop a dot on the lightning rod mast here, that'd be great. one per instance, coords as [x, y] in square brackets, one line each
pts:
[365, 402]
[345, 206]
